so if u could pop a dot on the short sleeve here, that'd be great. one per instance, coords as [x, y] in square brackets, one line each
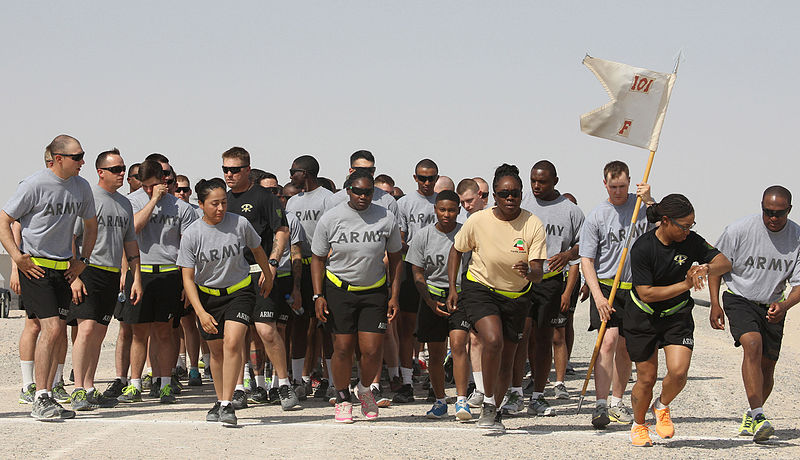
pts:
[727, 243]
[705, 252]
[415, 254]
[394, 242]
[22, 202]
[89, 209]
[465, 238]
[537, 246]
[187, 251]
[588, 238]
[251, 236]
[296, 232]
[130, 230]
[577, 224]
[188, 215]
[641, 268]
[320, 243]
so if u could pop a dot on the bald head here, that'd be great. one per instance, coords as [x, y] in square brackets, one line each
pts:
[777, 191]
[62, 143]
[444, 183]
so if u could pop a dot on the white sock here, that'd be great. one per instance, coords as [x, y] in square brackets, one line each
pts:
[478, 376]
[206, 359]
[137, 383]
[658, 405]
[274, 381]
[756, 412]
[297, 369]
[441, 401]
[600, 402]
[462, 399]
[181, 360]
[59, 374]
[166, 381]
[224, 403]
[239, 387]
[394, 372]
[615, 401]
[535, 395]
[27, 373]
[89, 390]
[261, 381]
[517, 390]
[330, 370]
[282, 382]
[247, 370]
[406, 373]
[489, 400]
[361, 388]
[557, 383]
[39, 393]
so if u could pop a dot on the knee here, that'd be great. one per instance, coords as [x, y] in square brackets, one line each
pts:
[680, 375]
[646, 379]
[492, 343]
[752, 347]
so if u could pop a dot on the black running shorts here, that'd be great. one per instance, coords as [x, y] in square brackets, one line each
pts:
[546, 301]
[272, 308]
[161, 299]
[434, 328]
[237, 307]
[746, 316]
[409, 296]
[645, 333]
[102, 288]
[479, 301]
[621, 301]
[356, 311]
[562, 318]
[47, 296]
[119, 307]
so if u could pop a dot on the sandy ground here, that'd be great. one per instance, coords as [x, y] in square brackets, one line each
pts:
[706, 416]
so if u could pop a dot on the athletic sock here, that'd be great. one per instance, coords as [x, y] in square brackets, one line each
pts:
[600, 402]
[59, 374]
[535, 395]
[206, 359]
[406, 373]
[90, 390]
[489, 400]
[247, 370]
[461, 399]
[517, 390]
[374, 386]
[181, 360]
[224, 403]
[137, 383]
[330, 369]
[297, 369]
[441, 401]
[282, 382]
[306, 378]
[239, 387]
[274, 383]
[166, 381]
[261, 382]
[756, 412]
[615, 401]
[394, 372]
[478, 376]
[39, 393]
[124, 380]
[658, 405]
[343, 395]
[27, 373]
[361, 388]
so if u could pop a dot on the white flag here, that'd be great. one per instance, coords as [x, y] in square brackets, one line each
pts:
[639, 99]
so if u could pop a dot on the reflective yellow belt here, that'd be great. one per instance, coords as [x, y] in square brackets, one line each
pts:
[438, 291]
[50, 263]
[610, 283]
[347, 286]
[307, 260]
[783, 297]
[550, 275]
[158, 268]
[226, 291]
[509, 294]
[108, 269]
[649, 310]
[283, 274]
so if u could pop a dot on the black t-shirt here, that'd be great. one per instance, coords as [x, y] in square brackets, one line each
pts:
[264, 212]
[653, 264]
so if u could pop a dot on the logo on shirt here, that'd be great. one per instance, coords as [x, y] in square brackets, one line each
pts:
[519, 245]
[247, 207]
[680, 259]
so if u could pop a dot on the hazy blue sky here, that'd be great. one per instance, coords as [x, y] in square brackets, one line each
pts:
[468, 84]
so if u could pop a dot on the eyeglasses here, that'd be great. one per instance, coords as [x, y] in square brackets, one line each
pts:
[361, 191]
[776, 212]
[366, 169]
[72, 156]
[427, 178]
[114, 169]
[294, 171]
[233, 169]
[183, 189]
[685, 229]
[272, 190]
[514, 192]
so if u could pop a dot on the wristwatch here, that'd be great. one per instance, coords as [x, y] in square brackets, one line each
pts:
[84, 260]
[273, 262]
[317, 296]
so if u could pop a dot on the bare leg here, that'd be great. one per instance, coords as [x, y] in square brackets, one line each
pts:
[52, 334]
[642, 392]
[622, 369]
[274, 346]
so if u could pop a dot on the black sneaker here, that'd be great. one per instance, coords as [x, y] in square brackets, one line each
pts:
[114, 389]
[274, 396]
[155, 388]
[431, 396]
[258, 396]
[239, 400]
[194, 378]
[300, 391]
[97, 399]
[288, 398]
[322, 389]
[44, 408]
[176, 384]
[404, 395]
[227, 414]
[181, 372]
[72, 375]
[213, 414]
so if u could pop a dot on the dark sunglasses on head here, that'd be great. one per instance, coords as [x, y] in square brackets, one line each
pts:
[183, 189]
[294, 171]
[114, 169]
[515, 192]
[776, 212]
[73, 156]
[427, 178]
[370, 169]
[233, 169]
[361, 191]
[272, 190]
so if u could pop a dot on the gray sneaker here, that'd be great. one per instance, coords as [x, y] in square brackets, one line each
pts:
[60, 394]
[512, 403]
[130, 394]
[620, 414]
[46, 409]
[331, 395]
[98, 399]
[475, 400]
[26, 396]
[540, 407]
[288, 397]
[166, 396]
[239, 400]
[490, 418]
[213, 414]
[561, 391]
[80, 402]
[227, 415]
[300, 391]
[600, 418]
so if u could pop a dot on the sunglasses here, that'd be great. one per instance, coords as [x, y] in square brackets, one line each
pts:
[183, 189]
[776, 212]
[114, 169]
[294, 171]
[73, 156]
[370, 169]
[272, 190]
[233, 169]
[361, 191]
[427, 178]
[484, 195]
[685, 229]
[515, 192]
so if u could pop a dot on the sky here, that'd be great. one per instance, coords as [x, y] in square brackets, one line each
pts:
[468, 84]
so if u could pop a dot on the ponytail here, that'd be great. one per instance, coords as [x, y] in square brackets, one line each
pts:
[673, 206]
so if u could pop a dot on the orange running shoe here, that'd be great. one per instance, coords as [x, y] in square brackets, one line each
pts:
[640, 436]
[664, 427]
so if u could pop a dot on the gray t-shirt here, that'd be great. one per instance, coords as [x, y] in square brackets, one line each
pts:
[297, 235]
[604, 233]
[429, 251]
[562, 221]
[378, 197]
[308, 207]
[763, 261]
[197, 210]
[160, 239]
[114, 227]
[47, 208]
[416, 211]
[216, 252]
[358, 240]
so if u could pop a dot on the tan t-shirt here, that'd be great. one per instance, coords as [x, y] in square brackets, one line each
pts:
[497, 245]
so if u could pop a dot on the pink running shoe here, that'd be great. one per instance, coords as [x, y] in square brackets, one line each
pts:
[369, 408]
[344, 412]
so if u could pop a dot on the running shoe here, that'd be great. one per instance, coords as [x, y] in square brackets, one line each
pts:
[395, 384]
[512, 403]
[247, 383]
[344, 412]
[475, 399]
[239, 400]
[309, 387]
[288, 398]
[746, 428]
[26, 396]
[60, 394]
[213, 414]
[72, 375]
[45, 408]
[470, 388]
[438, 410]
[620, 413]
[527, 390]
[207, 373]
[166, 395]
[540, 407]
[227, 414]
[369, 407]
[194, 378]
[147, 380]
[258, 396]
[404, 395]
[300, 391]
[274, 396]
[380, 399]
[98, 399]
[63, 414]
[762, 428]
[640, 436]
[155, 388]
[600, 417]
[130, 394]
[331, 395]
[177, 387]
[322, 389]
[664, 427]
[463, 413]
[182, 373]
[488, 419]
[114, 389]
[561, 391]
[431, 396]
[570, 369]
[79, 402]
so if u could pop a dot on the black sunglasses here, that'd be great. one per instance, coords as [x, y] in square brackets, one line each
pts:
[370, 169]
[515, 192]
[114, 169]
[167, 172]
[294, 171]
[776, 212]
[272, 190]
[183, 189]
[233, 169]
[73, 156]
[361, 191]
[484, 195]
[427, 178]
[170, 181]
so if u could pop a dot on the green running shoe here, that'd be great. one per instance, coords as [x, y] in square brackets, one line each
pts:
[746, 428]
[130, 394]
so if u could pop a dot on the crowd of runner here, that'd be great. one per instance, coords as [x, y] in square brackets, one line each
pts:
[275, 292]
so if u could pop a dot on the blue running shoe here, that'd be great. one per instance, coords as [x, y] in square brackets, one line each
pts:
[463, 414]
[438, 410]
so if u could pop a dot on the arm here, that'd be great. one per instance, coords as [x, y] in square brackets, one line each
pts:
[777, 310]
[76, 267]
[560, 260]
[279, 242]
[694, 279]
[572, 280]
[422, 287]
[16, 229]
[23, 261]
[317, 281]
[403, 236]
[207, 321]
[453, 264]
[297, 274]
[132, 261]
[267, 277]
[717, 315]
[395, 266]
[141, 218]
[590, 275]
